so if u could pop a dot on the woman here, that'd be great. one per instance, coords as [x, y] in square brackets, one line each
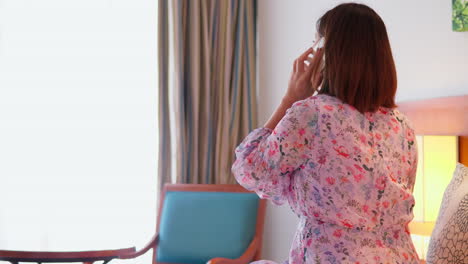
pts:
[345, 159]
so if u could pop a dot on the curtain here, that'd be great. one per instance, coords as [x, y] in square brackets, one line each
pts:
[164, 167]
[214, 85]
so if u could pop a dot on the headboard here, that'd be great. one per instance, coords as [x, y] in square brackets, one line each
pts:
[441, 116]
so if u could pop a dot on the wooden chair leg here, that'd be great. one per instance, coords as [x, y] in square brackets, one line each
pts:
[257, 255]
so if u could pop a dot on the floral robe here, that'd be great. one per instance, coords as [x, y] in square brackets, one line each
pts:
[348, 176]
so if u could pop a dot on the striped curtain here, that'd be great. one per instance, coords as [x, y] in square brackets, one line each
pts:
[164, 163]
[215, 85]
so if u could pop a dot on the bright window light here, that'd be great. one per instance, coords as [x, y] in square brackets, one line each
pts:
[78, 124]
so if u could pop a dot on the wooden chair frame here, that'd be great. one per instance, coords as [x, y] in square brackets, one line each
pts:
[252, 253]
[87, 257]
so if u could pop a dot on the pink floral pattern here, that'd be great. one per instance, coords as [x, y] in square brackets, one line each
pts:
[348, 176]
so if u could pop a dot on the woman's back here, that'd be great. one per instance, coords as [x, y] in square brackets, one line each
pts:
[348, 176]
[368, 157]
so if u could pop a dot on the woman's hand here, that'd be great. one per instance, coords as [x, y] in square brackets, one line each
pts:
[304, 81]
[305, 77]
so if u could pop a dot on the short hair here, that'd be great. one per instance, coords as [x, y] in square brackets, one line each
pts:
[359, 67]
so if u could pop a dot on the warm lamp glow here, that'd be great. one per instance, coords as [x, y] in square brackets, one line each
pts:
[438, 156]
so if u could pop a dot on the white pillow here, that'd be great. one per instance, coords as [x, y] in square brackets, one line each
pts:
[449, 240]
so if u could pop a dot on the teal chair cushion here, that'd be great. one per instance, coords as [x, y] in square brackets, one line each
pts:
[198, 226]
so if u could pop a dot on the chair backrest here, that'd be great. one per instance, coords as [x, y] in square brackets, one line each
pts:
[200, 222]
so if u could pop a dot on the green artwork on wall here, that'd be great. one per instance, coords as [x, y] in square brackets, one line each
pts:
[460, 15]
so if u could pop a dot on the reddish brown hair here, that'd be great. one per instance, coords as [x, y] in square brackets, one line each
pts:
[359, 67]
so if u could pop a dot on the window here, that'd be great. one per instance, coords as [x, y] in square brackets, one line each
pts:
[78, 124]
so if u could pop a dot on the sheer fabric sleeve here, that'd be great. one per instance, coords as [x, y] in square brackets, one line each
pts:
[266, 160]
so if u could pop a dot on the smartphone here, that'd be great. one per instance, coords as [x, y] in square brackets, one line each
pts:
[319, 44]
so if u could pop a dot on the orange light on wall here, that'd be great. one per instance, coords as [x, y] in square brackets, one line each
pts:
[438, 156]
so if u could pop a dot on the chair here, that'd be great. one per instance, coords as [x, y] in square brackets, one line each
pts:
[222, 224]
[86, 257]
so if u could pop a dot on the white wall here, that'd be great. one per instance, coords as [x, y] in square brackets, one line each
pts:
[432, 61]
[78, 117]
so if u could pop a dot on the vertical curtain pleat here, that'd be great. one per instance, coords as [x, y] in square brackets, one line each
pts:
[215, 82]
[205, 99]
[179, 84]
[164, 168]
